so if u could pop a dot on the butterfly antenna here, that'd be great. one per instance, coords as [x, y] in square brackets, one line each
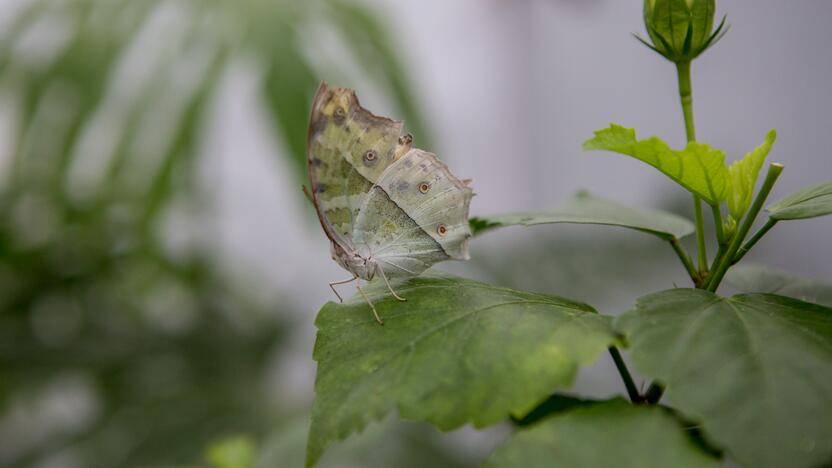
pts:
[375, 313]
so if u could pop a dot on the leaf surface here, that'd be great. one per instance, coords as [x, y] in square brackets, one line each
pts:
[807, 203]
[457, 351]
[585, 208]
[698, 168]
[757, 278]
[754, 369]
[743, 176]
[612, 433]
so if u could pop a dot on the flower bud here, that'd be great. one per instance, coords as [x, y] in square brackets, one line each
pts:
[729, 227]
[680, 30]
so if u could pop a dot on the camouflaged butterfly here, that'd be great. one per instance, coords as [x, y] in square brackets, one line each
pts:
[387, 208]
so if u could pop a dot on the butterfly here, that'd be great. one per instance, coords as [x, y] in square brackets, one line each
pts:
[388, 209]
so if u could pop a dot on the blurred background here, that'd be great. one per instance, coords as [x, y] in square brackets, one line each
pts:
[160, 269]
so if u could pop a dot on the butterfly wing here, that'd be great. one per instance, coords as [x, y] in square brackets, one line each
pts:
[416, 215]
[348, 148]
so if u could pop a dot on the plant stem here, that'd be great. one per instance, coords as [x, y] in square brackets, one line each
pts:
[720, 235]
[683, 256]
[720, 252]
[756, 237]
[700, 235]
[686, 98]
[774, 171]
[632, 390]
[654, 393]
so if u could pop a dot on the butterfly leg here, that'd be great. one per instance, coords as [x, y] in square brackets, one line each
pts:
[375, 313]
[332, 286]
[384, 277]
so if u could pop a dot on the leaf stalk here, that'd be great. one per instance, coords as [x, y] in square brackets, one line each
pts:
[632, 390]
[686, 261]
[756, 237]
[720, 234]
[654, 393]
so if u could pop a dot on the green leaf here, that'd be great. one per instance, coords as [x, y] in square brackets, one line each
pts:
[698, 168]
[757, 278]
[753, 369]
[556, 403]
[457, 351]
[612, 433]
[743, 176]
[807, 203]
[585, 208]
[288, 85]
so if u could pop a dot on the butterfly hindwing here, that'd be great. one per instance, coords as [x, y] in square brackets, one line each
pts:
[348, 150]
[436, 200]
[385, 232]
[415, 216]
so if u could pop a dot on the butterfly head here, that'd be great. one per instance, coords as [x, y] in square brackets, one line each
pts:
[355, 263]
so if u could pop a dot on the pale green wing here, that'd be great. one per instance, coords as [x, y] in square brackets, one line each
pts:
[386, 233]
[348, 149]
[416, 215]
[434, 198]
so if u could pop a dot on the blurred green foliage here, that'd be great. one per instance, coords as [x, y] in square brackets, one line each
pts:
[119, 346]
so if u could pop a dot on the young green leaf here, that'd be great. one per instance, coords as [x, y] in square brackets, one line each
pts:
[743, 176]
[456, 351]
[807, 203]
[753, 369]
[612, 433]
[585, 208]
[698, 168]
[757, 278]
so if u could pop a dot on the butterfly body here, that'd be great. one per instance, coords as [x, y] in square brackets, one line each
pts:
[387, 209]
[350, 260]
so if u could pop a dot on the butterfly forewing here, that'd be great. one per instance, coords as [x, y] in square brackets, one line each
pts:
[348, 150]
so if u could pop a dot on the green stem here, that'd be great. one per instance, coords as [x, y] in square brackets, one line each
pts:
[683, 256]
[720, 235]
[632, 390]
[686, 98]
[700, 235]
[756, 237]
[720, 252]
[774, 171]
[654, 393]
